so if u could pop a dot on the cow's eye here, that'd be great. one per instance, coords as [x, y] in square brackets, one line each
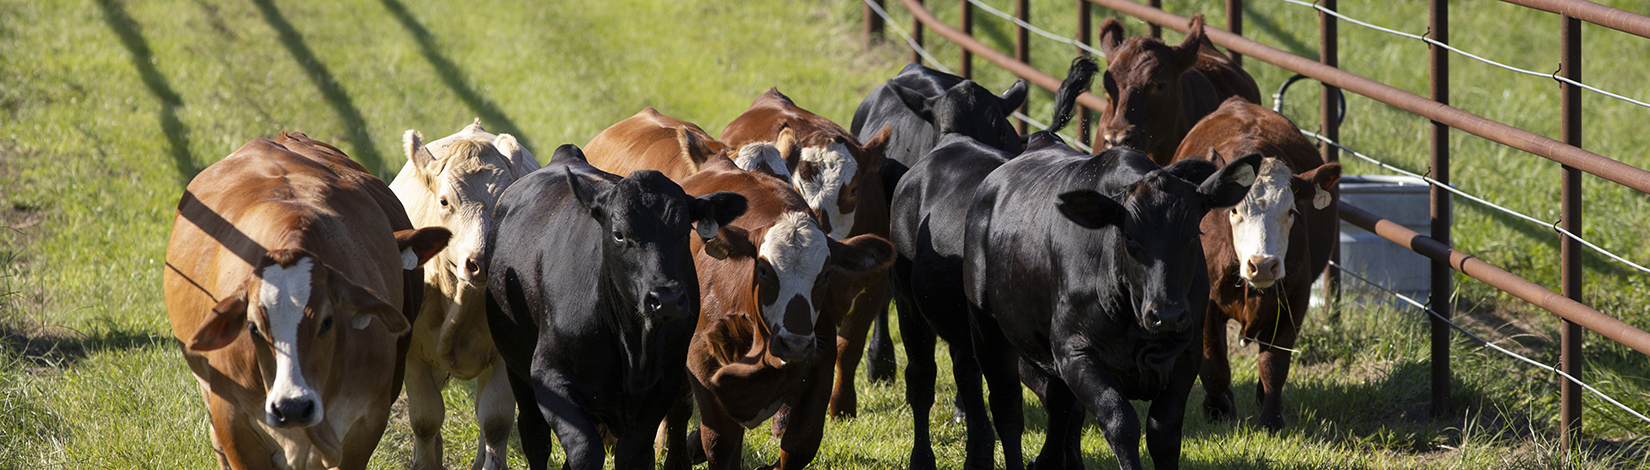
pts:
[444, 204]
[618, 236]
[252, 329]
[326, 325]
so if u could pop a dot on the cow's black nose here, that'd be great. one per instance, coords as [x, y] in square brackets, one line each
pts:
[292, 412]
[1163, 319]
[665, 303]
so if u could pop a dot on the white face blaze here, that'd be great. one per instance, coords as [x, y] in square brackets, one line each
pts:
[754, 154]
[836, 171]
[282, 294]
[1261, 223]
[797, 250]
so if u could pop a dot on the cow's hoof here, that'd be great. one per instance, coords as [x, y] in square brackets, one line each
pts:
[880, 370]
[922, 458]
[1272, 424]
[1219, 408]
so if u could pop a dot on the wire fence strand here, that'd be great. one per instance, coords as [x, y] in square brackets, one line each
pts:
[1039, 31]
[1428, 40]
[1490, 344]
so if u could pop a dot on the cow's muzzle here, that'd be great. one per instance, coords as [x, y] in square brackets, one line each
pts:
[293, 412]
[1158, 318]
[1262, 271]
[665, 304]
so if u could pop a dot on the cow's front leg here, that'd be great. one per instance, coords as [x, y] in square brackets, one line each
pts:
[494, 406]
[1000, 364]
[1274, 373]
[719, 435]
[807, 427]
[1168, 412]
[1098, 391]
[425, 410]
[1217, 369]
[574, 429]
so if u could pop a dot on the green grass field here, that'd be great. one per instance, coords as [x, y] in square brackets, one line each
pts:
[108, 108]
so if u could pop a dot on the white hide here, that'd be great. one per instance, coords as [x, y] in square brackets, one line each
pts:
[797, 250]
[1261, 222]
[757, 153]
[836, 170]
[283, 294]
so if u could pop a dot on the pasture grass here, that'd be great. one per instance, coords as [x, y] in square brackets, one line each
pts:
[108, 107]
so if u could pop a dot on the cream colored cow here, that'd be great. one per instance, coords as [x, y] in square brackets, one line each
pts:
[454, 183]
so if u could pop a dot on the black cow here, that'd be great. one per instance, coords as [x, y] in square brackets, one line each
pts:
[593, 301]
[928, 220]
[1088, 271]
[911, 103]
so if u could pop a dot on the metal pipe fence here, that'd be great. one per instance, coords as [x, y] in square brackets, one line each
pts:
[1435, 107]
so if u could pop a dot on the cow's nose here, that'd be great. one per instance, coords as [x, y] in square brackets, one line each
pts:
[1262, 271]
[1117, 138]
[291, 412]
[1162, 319]
[790, 347]
[665, 303]
[476, 267]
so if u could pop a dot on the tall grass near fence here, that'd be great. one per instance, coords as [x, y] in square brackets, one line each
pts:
[108, 107]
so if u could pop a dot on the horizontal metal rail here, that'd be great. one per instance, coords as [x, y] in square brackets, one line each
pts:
[1498, 278]
[1592, 163]
[1613, 18]
[1036, 77]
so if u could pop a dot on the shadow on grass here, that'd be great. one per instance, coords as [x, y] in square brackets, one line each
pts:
[335, 95]
[177, 136]
[60, 348]
[1264, 22]
[491, 116]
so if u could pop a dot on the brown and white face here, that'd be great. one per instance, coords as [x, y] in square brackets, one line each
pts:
[789, 260]
[829, 176]
[455, 182]
[294, 308]
[1262, 222]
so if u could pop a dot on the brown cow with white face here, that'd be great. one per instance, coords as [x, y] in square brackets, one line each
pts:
[840, 179]
[289, 273]
[454, 182]
[1263, 253]
[1157, 92]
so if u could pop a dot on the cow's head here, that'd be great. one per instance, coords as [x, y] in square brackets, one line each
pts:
[1157, 219]
[970, 110]
[454, 182]
[829, 172]
[294, 309]
[1142, 82]
[1261, 223]
[645, 221]
[793, 267]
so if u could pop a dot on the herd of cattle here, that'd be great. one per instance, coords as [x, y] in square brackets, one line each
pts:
[659, 269]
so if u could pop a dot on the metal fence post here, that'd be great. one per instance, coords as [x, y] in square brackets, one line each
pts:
[1234, 24]
[873, 25]
[1329, 54]
[916, 37]
[1022, 49]
[1570, 360]
[966, 69]
[1157, 31]
[1085, 30]
[1441, 275]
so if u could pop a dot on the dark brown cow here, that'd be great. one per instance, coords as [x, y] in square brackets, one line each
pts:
[291, 281]
[650, 140]
[1158, 92]
[840, 179]
[1283, 230]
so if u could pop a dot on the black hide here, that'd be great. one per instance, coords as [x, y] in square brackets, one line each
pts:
[592, 302]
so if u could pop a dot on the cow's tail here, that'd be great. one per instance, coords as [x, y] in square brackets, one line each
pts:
[1077, 81]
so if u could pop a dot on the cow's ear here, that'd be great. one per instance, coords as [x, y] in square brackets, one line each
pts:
[864, 254]
[583, 190]
[366, 304]
[522, 161]
[418, 246]
[223, 324]
[1186, 53]
[1111, 36]
[693, 147]
[1317, 184]
[730, 242]
[790, 150]
[1090, 209]
[914, 101]
[712, 211]
[413, 144]
[1013, 98]
[1193, 170]
[872, 151]
[1229, 185]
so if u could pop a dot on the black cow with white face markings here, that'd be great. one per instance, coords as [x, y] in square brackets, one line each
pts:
[592, 301]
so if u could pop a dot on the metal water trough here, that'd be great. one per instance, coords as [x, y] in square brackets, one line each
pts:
[1401, 199]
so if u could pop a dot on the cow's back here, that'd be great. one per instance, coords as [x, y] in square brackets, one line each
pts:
[647, 140]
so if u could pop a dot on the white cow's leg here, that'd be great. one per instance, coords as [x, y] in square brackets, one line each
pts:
[425, 410]
[495, 410]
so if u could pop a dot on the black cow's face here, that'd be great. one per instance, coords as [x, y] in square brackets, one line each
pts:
[969, 109]
[1158, 220]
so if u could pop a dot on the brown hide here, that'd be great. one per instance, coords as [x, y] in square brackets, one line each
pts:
[299, 196]
[1270, 317]
[650, 140]
[866, 297]
[1157, 92]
